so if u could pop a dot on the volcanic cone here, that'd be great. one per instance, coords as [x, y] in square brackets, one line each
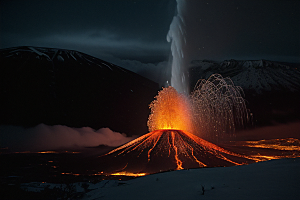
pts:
[164, 150]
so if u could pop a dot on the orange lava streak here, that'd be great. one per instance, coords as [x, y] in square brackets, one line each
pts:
[129, 144]
[128, 174]
[178, 161]
[170, 110]
[153, 147]
[169, 147]
[201, 164]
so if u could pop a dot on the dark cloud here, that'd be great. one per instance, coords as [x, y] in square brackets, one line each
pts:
[125, 29]
[136, 30]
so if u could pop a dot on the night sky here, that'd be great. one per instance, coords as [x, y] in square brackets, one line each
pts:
[116, 30]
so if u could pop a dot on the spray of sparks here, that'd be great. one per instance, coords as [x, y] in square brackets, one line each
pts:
[218, 107]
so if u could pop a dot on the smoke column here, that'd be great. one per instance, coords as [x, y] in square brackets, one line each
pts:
[176, 36]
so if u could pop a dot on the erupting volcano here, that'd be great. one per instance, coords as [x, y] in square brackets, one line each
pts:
[163, 150]
[171, 145]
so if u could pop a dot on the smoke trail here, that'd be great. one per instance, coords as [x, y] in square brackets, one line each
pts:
[176, 36]
[44, 137]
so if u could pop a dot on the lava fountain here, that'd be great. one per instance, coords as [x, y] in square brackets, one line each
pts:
[170, 110]
[170, 145]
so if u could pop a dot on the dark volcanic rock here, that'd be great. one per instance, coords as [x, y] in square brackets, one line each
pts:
[55, 86]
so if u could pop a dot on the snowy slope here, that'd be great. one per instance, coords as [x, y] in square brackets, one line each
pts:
[275, 179]
[257, 75]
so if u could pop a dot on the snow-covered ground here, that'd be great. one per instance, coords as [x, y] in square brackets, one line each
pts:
[274, 179]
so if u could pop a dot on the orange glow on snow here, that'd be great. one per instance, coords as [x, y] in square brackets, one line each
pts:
[170, 110]
[128, 174]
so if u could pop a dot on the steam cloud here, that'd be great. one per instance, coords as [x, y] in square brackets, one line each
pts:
[177, 37]
[44, 137]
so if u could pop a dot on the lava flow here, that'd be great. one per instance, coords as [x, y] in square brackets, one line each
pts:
[169, 145]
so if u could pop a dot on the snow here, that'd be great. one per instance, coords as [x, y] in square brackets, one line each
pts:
[73, 56]
[60, 58]
[38, 186]
[39, 53]
[259, 75]
[107, 66]
[275, 179]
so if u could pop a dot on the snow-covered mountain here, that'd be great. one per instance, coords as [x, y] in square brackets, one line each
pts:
[58, 86]
[256, 75]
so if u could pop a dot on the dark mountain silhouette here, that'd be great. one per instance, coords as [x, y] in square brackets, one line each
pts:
[56, 86]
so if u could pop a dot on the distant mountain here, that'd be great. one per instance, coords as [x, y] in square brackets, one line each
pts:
[57, 86]
[271, 88]
[257, 75]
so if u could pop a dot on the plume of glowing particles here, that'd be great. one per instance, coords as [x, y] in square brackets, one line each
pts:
[170, 110]
[218, 107]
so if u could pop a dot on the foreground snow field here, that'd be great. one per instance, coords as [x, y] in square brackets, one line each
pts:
[275, 179]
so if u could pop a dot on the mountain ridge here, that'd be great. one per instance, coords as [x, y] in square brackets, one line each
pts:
[259, 75]
[67, 87]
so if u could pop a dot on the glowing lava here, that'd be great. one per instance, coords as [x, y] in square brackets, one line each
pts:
[170, 110]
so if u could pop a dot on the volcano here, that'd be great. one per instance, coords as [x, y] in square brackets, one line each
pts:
[164, 150]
